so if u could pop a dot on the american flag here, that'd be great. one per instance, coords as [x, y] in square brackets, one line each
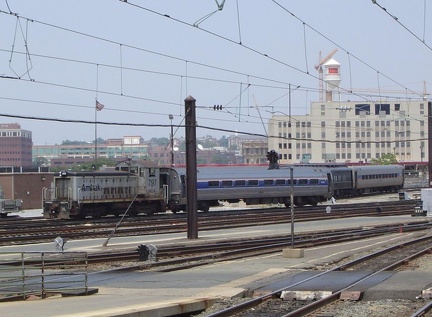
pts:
[99, 106]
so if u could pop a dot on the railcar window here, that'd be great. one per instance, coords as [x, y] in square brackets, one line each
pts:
[152, 172]
[253, 182]
[240, 182]
[314, 182]
[268, 182]
[302, 181]
[227, 183]
[280, 182]
[213, 183]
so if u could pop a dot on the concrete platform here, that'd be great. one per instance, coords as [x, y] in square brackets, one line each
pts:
[167, 294]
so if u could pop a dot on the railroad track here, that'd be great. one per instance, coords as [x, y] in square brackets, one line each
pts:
[43, 230]
[388, 259]
[179, 257]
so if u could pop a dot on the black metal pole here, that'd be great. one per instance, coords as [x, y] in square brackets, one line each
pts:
[191, 169]
[171, 117]
[292, 207]
[430, 142]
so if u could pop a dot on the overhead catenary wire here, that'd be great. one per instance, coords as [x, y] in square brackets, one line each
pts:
[201, 126]
[168, 56]
[187, 76]
[395, 18]
[257, 51]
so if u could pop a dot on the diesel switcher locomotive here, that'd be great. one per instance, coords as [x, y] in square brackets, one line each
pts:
[134, 186]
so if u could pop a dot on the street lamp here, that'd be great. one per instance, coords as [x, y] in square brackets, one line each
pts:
[171, 117]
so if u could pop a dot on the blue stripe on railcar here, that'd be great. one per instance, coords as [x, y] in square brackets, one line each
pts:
[207, 184]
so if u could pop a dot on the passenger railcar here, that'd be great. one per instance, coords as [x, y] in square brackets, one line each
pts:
[377, 178]
[133, 186]
[258, 185]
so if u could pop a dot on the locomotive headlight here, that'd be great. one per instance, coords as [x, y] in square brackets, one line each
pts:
[62, 173]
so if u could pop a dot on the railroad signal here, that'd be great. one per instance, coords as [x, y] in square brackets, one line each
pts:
[273, 158]
[143, 252]
[217, 107]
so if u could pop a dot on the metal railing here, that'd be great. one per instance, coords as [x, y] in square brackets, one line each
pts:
[42, 274]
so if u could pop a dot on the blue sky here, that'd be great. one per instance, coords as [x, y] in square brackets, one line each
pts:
[141, 59]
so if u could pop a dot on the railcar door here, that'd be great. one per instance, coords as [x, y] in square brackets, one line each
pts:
[355, 182]
[330, 184]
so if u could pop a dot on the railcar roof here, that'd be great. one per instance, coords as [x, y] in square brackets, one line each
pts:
[248, 172]
[97, 173]
[379, 167]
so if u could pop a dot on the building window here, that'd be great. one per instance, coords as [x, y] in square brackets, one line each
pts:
[382, 107]
[361, 108]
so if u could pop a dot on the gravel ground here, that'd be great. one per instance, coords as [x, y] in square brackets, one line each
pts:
[381, 308]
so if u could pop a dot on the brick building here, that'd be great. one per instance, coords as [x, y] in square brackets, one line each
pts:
[15, 146]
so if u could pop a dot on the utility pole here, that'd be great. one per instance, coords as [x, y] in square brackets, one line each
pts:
[171, 117]
[429, 156]
[191, 168]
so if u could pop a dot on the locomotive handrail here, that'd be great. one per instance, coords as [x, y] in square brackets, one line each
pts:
[46, 190]
[79, 191]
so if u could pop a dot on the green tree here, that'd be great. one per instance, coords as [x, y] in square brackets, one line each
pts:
[223, 141]
[99, 141]
[160, 141]
[94, 165]
[385, 159]
[40, 161]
